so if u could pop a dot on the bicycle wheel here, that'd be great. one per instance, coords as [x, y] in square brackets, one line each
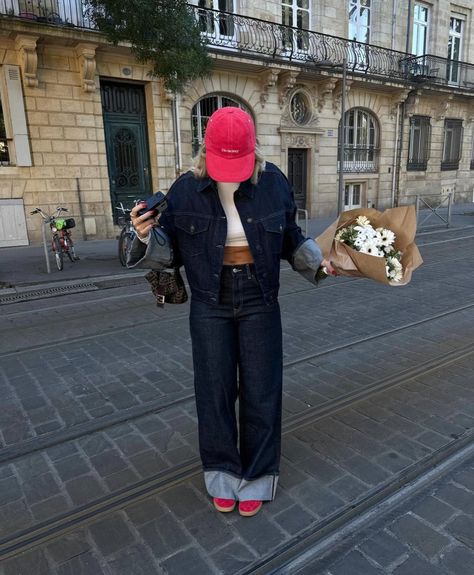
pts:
[124, 245]
[58, 253]
[69, 249]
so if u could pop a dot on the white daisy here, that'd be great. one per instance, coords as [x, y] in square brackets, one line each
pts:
[363, 221]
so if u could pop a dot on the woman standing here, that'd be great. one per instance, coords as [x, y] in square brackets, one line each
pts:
[229, 222]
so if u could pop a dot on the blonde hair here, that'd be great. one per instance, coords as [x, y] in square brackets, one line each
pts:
[200, 170]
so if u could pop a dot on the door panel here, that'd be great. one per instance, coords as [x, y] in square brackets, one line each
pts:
[297, 174]
[126, 141]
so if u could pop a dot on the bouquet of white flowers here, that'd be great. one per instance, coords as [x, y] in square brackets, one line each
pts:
[368, 243]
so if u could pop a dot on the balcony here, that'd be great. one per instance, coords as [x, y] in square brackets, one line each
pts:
[57, 12]
[252, 38]
[441, 71]
[359, 159]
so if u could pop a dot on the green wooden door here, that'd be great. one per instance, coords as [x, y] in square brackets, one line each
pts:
[126, 141]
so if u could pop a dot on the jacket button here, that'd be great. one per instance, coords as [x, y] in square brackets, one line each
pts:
[191, 229]
[281, 227]
[249, 220]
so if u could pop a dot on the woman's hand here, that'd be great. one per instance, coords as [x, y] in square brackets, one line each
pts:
[329, 269]
[144, 223]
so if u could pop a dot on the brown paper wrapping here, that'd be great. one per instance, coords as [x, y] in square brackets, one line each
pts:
[349, 262]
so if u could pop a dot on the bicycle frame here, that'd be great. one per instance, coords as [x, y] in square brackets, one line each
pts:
[61, 241]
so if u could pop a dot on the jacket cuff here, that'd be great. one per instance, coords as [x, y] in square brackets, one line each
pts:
[157, 254]
[307, 260]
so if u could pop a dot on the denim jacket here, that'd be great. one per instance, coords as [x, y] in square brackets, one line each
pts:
[196, 226]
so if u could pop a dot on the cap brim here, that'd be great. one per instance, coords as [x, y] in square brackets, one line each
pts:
[235, 170]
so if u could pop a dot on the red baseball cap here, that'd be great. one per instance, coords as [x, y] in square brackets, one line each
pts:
[230, 145]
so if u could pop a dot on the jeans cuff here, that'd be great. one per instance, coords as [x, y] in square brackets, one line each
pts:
[226, 486]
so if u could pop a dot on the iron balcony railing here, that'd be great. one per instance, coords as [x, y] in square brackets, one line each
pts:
[360, 159]
[436, 70]
[58, 12]
[256, 38]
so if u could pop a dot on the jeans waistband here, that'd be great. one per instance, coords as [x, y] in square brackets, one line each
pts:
[247, 269]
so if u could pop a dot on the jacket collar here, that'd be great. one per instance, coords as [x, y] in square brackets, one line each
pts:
[247, 188]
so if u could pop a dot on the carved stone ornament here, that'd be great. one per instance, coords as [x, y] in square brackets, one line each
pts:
[86, 56]
[300, 141]
[412, 102]
[311, 120]
[441, 112]
[268, 80]
[28, 58]
[396, 99]
[337, 95]
[326, 88]
[287, 81]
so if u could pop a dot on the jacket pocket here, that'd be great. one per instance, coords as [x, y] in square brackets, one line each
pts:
[191, 234]
[274, 227]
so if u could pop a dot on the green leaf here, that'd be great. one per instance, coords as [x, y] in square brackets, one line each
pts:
[162, 33]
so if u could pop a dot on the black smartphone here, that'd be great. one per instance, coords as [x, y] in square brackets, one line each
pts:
[156, 203]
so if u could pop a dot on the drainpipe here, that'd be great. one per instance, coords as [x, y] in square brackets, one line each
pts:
[177, 136]
[395, 154]
[177, 103]
[407, 47]
[340, 192]
[396, 191]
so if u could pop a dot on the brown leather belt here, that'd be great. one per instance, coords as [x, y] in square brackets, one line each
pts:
[237, 255]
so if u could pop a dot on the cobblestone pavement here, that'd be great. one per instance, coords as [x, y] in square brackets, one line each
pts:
[376, 381]
[430, 534]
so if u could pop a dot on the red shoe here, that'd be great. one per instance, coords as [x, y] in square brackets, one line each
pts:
[224, 505]
[249, 508]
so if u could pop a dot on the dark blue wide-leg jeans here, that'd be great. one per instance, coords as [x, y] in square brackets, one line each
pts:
[237, 354]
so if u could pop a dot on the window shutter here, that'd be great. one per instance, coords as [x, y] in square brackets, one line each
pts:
[16, 109]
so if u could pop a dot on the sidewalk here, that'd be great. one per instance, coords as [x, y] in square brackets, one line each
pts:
[25, 265]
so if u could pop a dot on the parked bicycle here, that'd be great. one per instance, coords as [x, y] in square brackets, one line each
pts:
[61, 240]
[127, 234]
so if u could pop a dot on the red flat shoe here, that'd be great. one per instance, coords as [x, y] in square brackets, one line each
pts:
[249, 508]
[224, 505]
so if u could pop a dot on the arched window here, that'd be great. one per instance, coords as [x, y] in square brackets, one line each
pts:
[361, 141]
[203, 110]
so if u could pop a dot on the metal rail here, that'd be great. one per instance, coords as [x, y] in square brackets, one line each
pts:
[434, 206]
[243, 35]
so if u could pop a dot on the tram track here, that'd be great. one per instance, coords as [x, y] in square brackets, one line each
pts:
[81, 516]
[288, 559]
[52, 439]
[137, 280]
[177, 317]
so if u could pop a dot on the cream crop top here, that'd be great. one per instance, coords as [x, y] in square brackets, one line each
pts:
[235, 232]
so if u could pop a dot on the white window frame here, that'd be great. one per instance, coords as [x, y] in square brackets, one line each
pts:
[350, 189]
[418, 27]
[298, 42]
[214, 21]
[358, 55]
[355, 10]
[454, 77]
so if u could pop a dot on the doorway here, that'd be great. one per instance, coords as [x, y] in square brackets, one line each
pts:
[126, 142]
[298, 174]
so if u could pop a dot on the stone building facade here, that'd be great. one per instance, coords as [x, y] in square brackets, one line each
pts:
[85, 126]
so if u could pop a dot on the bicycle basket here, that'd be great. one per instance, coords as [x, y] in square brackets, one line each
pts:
[64, 223]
